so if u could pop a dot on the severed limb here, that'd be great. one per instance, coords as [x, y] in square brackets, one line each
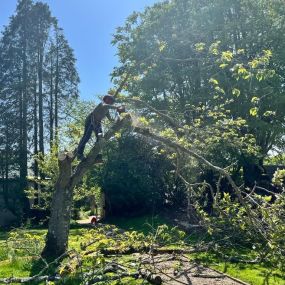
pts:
[223, 172]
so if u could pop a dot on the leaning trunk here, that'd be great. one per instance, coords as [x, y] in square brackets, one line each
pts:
[57, 236]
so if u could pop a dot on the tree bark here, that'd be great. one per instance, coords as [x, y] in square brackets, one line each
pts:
[35, 166]
[57, 236]
[24, 127]
[51, 115]
[41, 115]
[56, 95]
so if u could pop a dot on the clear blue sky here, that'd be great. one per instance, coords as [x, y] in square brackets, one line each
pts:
[88, 26]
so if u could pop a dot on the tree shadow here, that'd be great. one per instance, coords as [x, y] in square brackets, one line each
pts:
[38, 265]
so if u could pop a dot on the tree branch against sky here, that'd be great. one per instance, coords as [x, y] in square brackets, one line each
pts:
[89, 30]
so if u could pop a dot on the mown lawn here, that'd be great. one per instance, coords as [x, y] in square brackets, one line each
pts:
[21, 263]
[252, 273]
[255, 274]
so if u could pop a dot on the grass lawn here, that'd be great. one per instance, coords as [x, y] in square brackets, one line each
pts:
[144, 224]
[20, 263]
[254, 274]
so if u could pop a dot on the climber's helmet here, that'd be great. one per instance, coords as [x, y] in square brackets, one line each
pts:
[109, 99]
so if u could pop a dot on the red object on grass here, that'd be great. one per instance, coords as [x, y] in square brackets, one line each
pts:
[93, 220]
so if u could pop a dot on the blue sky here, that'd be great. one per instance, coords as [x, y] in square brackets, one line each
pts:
[88, 26]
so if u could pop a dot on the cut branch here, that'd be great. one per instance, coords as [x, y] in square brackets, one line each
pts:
[177, 147]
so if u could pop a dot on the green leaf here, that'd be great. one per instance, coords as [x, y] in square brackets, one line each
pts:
[223, 65]
[227, 56]
[259, 76]
[241, 70]
[267, 53]
[162, 46]
[267, 198]
[269, 113]
[236, 92]
[220, 90]
[240, 51]
[199, 47]
[214, 48]
[254, 63]
[255, 100]
[213, 81]
[253, 111]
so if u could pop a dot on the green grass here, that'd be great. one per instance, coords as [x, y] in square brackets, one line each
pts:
[254, 274]
[16, 267]
[3, 235]
[144, 224]
[20, 264]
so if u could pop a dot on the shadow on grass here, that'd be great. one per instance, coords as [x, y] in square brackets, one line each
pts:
[39, 265]
[144, 224]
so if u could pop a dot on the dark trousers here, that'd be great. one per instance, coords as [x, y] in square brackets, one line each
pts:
[88, 128]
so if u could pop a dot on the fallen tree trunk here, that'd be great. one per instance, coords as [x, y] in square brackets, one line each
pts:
[143, 274]
[154, 251]
[58, 230]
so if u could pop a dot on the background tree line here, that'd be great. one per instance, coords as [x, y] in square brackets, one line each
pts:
[38, 76]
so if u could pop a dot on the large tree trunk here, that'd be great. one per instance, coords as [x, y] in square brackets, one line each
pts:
[56, 97]
[24, 131]
[36, 166]
[51, 114]
[57, 236]
[41, 115]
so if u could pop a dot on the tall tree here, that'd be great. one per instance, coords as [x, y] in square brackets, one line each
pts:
[170, 51]
[26, 83]
[61, 78]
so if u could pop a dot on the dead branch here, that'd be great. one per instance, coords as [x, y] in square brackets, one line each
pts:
[121, 86]
[154, 251]
[173, 145]
[144, 274]
[208, 276]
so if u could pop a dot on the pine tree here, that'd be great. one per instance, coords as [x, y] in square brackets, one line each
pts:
[38, 76]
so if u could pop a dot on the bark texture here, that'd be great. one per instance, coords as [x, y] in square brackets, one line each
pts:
[57, 236]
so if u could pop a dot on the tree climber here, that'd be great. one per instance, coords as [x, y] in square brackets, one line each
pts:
[93, 122]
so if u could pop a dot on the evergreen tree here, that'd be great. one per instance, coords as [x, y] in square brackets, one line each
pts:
[38, 76]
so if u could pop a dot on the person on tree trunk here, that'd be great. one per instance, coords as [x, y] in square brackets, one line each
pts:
[93, 122]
